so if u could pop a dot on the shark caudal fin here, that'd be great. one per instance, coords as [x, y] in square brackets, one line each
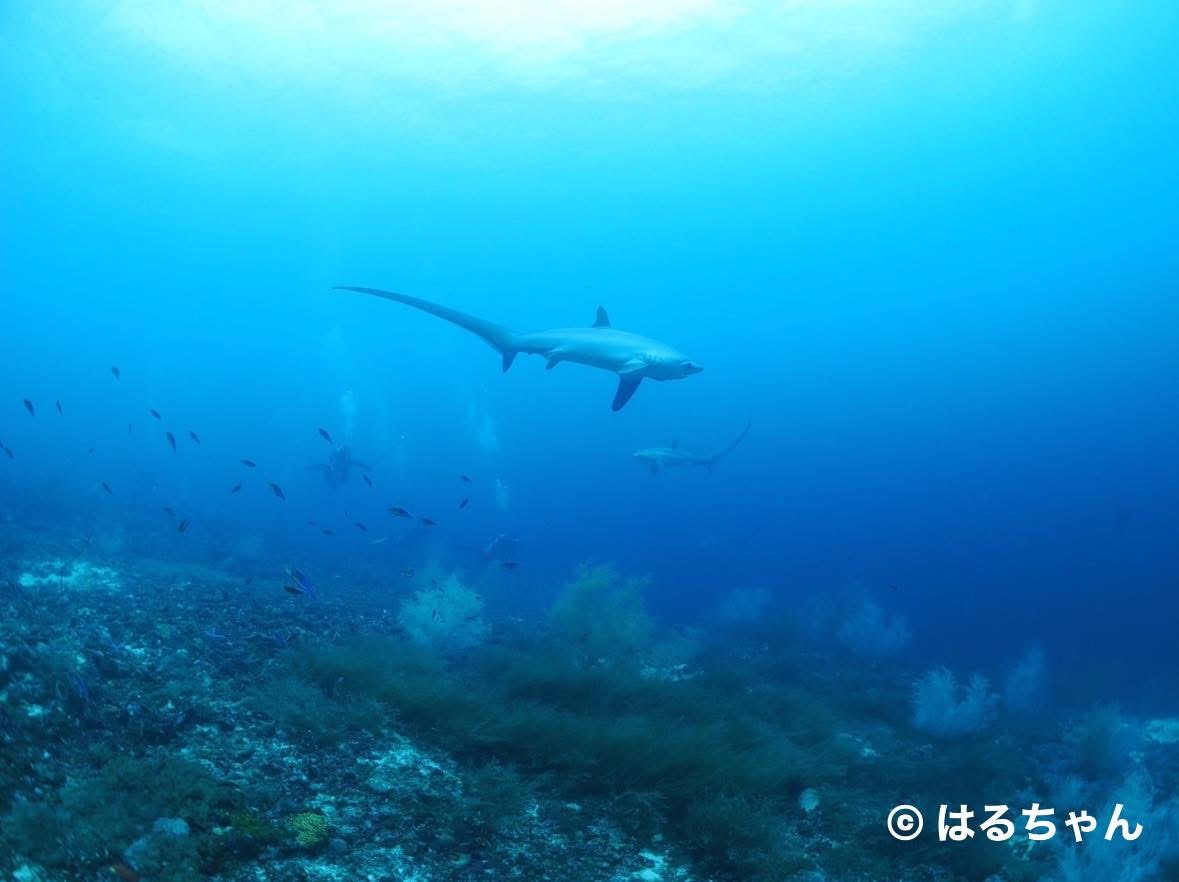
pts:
[500, 338]
[711, 460]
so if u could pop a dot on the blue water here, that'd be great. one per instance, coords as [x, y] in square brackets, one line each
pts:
[931, 250]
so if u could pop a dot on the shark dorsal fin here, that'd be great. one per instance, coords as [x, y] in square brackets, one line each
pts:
[601, 320]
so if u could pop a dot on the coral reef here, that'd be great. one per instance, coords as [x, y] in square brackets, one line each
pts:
[217, 729]
[942, 709]
[445, 616]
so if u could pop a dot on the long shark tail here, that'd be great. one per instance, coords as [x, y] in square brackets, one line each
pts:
[502, 339]
[713, 458]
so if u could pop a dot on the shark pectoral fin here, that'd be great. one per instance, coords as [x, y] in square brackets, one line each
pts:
[551, 363]
[509, 357]
[601, 320]
[627, 385]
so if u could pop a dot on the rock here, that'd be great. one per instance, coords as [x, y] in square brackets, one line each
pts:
[170, 827]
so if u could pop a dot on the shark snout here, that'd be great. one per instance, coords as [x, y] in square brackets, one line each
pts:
[692, 368]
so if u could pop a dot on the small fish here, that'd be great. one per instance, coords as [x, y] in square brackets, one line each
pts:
[510, 565]
[120, 869]
[398, 511]
[248, 463]
[434, 616]
[464, 504]
[326, 435]
[169, 511]
[361, 527]
[57, 404]
[367, 479]
[116, 373]
[276, 490]
[154, 413]
[311, 523]
[407, 573]
[183, 526]
[291, 589]
[466, 479]
[171, 440]
[107, 487]
[194, 436]
[80, 687]
[328, 531]
[29, 407]
[235, 488]
[428, 522]
[90, 450]
[8, 452]
[381, 541]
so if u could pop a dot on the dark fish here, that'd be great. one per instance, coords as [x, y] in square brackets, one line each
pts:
[311, 523]
[276, 490]
[510, 565]
[361, 527]
[171, 440]
[169, 511]
[466, 479]
[398, 511]
[154, 413]
[29, 407]
[235, 487]
[8, 452]
[367, 479]
[90, 450]
[58, 404]
[116, 373]
[194, 436]
[291, 589]
[182, 526]
[248, 463]
[408, 573]
[326, 435]
[428, 522]
[302, 581]
[328, 531]
[464, 503]
[107, 487]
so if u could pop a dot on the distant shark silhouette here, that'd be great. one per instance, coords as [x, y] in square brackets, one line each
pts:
[659, 458]
[339, 466]
[634, 358]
